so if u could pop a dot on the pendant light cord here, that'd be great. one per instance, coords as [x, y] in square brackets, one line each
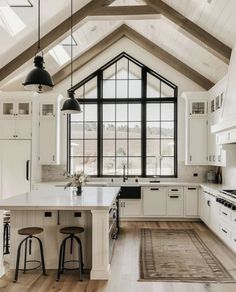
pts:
[71, 44]
[39, 32]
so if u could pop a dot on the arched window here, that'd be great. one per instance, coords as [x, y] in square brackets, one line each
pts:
[129, 119]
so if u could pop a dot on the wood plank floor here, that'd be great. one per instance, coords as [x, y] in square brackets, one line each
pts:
[125, 268]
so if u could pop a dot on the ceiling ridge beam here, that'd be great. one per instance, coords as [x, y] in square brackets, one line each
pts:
[51, 36]
[124, 10]
[198, 34]
[90, 54]
[126, 31]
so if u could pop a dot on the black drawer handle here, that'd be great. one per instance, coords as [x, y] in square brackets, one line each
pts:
[27, 170]
[154, 189]
[225, 213]
[174, 190]
[174, 197]
[192, 189]
[224, 231]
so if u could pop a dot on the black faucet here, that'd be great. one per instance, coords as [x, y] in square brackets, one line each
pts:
[124, 176]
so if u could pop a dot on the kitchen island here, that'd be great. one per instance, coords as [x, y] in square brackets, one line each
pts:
[53, 208]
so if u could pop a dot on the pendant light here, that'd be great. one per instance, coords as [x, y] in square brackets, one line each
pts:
[38, 79]
[71, 105]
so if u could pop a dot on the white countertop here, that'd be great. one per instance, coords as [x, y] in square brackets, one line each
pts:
[56, 198]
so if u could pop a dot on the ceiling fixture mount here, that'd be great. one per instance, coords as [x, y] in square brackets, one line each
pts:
[38, 79]
[71, 105]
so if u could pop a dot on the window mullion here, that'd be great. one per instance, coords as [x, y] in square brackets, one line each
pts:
[143, 122]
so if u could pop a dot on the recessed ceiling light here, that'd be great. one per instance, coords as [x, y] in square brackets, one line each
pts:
[93, 28]
[11, 21]
[209, 1]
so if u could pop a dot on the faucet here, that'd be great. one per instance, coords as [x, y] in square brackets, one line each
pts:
[124, 176]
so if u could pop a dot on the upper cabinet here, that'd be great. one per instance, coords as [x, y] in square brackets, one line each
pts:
[198, 108]
[16, 115]
[49, 129]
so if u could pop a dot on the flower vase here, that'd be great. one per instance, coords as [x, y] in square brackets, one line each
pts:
[79, 190]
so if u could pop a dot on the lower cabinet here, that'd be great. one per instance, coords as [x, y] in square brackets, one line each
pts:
[191, 202]
[130, 208]
[154, 201]
[175, 205]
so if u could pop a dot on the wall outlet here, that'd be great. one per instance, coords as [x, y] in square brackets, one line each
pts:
[77, 214]
[47, 214]
[195, 174]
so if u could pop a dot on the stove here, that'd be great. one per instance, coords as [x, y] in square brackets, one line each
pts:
[227, 198]
[230, 193]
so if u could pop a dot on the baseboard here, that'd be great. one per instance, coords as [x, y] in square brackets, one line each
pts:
[158, 219]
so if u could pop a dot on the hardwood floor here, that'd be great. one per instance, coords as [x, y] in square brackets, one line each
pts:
[125, 268]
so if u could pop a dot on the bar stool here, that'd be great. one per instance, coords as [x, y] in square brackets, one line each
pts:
[30, 233]
[70, 231]
[6, 234]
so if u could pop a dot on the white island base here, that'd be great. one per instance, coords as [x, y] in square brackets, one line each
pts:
[90, 211]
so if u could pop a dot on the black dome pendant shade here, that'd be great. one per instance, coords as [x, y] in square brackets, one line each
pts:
[71, 105]
[38, 79]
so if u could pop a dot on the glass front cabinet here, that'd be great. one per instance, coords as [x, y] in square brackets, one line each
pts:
[15, 109]
[198, 108]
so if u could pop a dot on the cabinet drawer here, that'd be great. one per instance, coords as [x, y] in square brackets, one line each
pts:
[175, 190]
[225, 232]
[233, 218]
[232, 136]
[175, 205]
[225, 214]
[233, 240]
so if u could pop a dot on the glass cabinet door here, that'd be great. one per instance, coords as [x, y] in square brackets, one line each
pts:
[198, 108]
[7, 109]
[47, 110]
[24, 109]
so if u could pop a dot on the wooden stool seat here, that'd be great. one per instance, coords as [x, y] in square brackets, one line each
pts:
[72, 230]
[30, 231]
[6, 219]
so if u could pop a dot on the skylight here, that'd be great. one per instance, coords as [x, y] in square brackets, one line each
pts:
[67, 41]
[10, 21]
[19, 3]
[59, 54]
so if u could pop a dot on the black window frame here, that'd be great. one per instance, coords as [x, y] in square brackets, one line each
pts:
[99, 101]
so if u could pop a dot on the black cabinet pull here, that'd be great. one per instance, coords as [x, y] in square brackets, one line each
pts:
[27, 170]
[174, 197]
[174, 190]
[225, 213]
[224, 230]
[154, 189]
[192, 189]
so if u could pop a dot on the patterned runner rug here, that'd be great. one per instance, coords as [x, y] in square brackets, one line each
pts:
[180, 256]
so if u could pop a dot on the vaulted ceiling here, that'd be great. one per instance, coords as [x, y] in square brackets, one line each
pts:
[193, 36]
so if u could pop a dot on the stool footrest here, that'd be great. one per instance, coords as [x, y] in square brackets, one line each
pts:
[35, 268]
[72, 261]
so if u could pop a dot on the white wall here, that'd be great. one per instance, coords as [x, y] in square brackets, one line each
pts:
[183, 83]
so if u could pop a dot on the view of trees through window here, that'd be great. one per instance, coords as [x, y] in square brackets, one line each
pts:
[128, 119]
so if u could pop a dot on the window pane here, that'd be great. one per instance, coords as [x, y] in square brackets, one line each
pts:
[110, 72]
[134, 112]
[121, 112]
[90, 148]
[134, 130]
[108, 112]
[167, 111]
[79, 93]
[109, 166]
[153, 86]
[122, 89]
[166, 90]
[76, 164]
[134, 88]
[91, 88]
[109, 89]
[153, 112]
[153, 166]
[134, 71]
[153, 148]
[90, 165]
[167, 166]
[153, 129]
[76, 148]
[121, 148]
[90, 112]
[122, 69]
[108, 130]
[134, 147]
[90, 130]
[167, 130]
[108, 147]
[167, 147]
[77, 131]
[134, 165]
[120, 162]
[121, 130]
[78, 117]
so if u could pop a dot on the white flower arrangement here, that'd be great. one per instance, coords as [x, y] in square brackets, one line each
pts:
[76, 179]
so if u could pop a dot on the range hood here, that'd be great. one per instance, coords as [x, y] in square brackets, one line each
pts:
[227, 119]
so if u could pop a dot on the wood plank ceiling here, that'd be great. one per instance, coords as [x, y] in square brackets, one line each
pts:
[160, 25]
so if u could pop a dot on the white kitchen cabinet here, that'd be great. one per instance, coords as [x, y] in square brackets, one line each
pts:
[191, 202]
[154, 201]
[175, 205]
[196, 153]
[204, 207]
[214, 215]
[198, 107]
[130, 208]
[15, 167]
[49, 129]
[15, 109]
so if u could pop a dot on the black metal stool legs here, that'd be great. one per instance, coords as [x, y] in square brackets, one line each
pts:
[42, 256]
[6, 233]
